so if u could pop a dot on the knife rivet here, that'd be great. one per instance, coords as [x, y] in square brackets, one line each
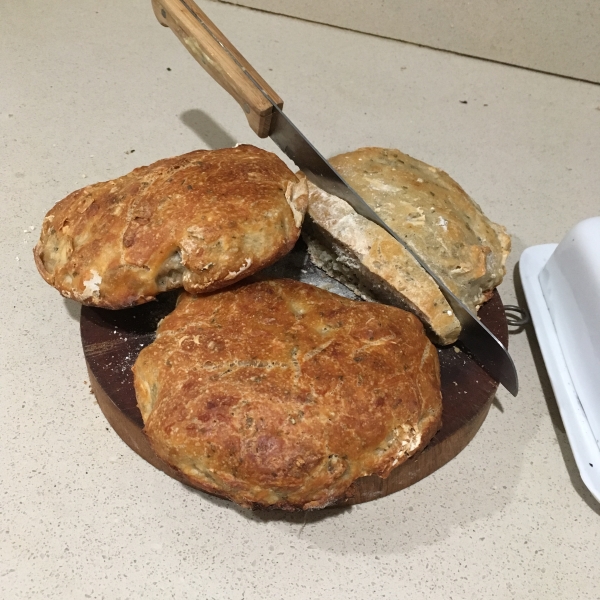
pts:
[246, 107]
[163, 12]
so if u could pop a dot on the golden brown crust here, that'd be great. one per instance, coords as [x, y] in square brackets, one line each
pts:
[438, 220]
[203, 220]
[279, 394]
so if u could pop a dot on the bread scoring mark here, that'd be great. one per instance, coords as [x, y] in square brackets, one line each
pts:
[369, 344]
[229, 368]
[189, 341]
[295, 365]
[424, 356]
[86, 202]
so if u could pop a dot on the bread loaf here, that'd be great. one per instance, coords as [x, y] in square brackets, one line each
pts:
[432, 213]
[279, 394]
[200, 221]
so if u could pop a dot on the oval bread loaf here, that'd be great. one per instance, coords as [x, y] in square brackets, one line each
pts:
[201, 221]
[279, 394]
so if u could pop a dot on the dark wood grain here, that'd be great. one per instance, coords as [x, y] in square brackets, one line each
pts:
[113, 339]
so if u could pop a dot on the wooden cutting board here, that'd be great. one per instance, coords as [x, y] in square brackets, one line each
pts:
[113, 339]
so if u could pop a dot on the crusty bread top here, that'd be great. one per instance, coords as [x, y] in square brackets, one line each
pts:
[280, 394]
[202, 220]
[434, 215]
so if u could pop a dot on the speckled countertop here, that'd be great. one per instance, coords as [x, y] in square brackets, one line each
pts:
[90, 90]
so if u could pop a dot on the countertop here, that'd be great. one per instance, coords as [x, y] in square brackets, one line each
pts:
[91, 90]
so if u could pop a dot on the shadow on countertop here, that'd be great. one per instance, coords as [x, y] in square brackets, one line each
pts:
[207, 129]
[73, 308]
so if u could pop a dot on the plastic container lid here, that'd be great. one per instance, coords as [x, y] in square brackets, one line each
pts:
[570, 282]
[562, 286]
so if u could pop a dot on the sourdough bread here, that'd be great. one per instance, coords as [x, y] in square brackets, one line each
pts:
[201, 221]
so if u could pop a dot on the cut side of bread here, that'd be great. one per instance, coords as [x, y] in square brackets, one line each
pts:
[369, 261]
[432, 213]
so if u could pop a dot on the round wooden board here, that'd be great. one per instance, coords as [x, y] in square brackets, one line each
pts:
[113, 339]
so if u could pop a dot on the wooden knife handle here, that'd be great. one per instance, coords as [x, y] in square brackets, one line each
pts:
[220, 59]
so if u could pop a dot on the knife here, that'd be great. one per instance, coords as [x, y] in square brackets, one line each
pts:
[263, 108]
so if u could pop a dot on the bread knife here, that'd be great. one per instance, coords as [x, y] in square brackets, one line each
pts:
[263, 108]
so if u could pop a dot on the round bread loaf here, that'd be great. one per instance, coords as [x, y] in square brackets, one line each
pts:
[201, 221]
[279, 394]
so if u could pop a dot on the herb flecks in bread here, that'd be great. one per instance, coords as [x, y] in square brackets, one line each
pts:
[435, 217]
[201, 221]
[279, 394]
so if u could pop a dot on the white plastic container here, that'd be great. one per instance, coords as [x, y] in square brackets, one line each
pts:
[570, 283]
[562, 287]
